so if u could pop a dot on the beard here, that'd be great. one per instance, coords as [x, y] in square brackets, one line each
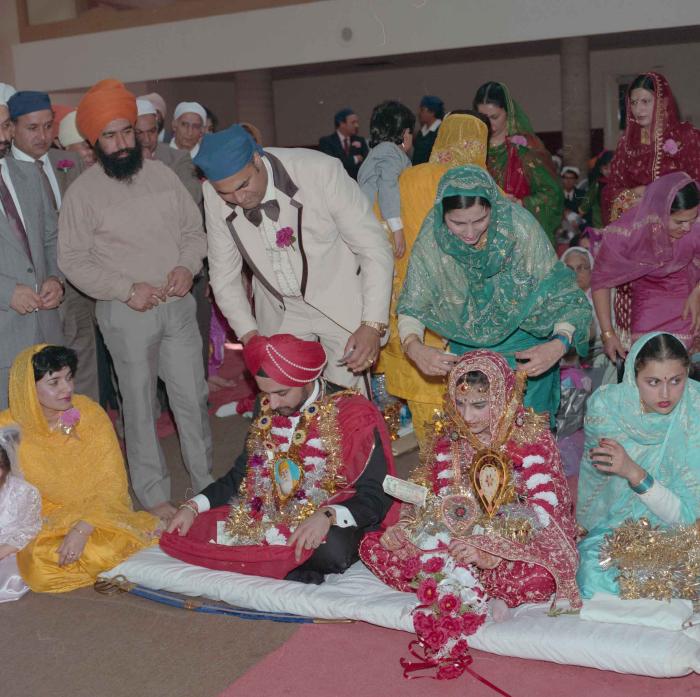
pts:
[120, 168]
[5, 146]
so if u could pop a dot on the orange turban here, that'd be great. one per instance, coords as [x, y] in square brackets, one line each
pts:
[284, 358]
[104, 102]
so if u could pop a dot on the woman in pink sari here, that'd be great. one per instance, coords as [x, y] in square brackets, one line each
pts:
[655, 247]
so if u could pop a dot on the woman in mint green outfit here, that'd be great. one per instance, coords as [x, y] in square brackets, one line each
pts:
[642, 453]
[483, 275]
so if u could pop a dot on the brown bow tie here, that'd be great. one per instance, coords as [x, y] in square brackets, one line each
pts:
[271, 209]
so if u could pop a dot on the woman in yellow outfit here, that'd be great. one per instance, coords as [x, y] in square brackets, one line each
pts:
[462, 139]
[70, 453]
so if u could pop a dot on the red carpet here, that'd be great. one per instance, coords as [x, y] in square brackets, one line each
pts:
[360, 660]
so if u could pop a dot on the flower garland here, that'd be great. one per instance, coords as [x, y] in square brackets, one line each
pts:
[261, 515]
[452, 606]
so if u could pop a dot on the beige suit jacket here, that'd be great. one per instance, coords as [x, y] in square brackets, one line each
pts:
[346, 259]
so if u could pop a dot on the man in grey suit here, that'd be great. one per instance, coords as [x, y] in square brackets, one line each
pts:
[30, 282]
[33, 123]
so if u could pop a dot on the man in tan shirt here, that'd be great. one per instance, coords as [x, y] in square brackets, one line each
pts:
[131, 236]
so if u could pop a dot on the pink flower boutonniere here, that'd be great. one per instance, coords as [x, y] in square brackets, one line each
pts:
[671, 146]
[67, 422]
[518, 140]
[285, 238]
[65, 165]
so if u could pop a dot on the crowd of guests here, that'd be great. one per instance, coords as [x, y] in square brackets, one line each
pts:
[457, 259]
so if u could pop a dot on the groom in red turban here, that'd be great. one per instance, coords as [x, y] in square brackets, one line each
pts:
[309, 481]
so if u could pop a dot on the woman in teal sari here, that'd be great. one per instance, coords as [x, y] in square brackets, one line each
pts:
[642, 454]
[482, 274]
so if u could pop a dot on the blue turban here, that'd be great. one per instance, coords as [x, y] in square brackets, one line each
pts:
[223, 154]
[342, 115]
[434, 104]
[27, 102]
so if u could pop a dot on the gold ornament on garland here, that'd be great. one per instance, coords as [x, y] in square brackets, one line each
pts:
[654, 563]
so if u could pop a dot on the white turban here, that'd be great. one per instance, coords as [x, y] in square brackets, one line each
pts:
[68, 133]
[6, 91]
[190, 108]
[572, 169]
[145, 107]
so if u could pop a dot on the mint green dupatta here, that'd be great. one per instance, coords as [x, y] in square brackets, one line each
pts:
[505, 297]
[665, 445]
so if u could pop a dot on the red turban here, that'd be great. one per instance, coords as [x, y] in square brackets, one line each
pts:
[285, 359]
[104, 102]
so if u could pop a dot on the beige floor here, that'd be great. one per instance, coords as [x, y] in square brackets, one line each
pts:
[83, 644]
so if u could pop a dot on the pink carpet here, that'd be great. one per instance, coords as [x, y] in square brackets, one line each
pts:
[361, 660]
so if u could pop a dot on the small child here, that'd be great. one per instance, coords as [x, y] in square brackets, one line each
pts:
[391, 136]
[20, 516]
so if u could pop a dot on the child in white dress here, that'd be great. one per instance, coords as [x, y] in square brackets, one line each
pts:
[20, 516]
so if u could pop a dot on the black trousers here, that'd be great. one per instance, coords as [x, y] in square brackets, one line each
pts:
[336, 555]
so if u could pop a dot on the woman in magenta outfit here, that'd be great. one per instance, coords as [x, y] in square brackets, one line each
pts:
[655, 247]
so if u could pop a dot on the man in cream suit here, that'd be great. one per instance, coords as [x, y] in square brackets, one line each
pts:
[322, 265]
[30, 284]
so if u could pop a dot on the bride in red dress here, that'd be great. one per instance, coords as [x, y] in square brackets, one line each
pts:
[525, 550]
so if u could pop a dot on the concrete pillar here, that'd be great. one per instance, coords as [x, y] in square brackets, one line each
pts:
[576, 102]
[255, 102]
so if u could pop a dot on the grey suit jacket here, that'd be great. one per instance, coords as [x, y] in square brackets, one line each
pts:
[41, 223]
[181, 163]
[65, 175]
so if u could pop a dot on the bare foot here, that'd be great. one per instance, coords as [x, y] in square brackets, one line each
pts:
[499, 610]
[165, 511]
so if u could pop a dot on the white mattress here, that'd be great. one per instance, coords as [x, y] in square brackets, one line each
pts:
[359, 595]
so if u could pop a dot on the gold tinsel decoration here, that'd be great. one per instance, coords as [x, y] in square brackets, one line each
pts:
[654, 563]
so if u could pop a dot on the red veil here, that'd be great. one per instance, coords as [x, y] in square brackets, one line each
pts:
[673, 145]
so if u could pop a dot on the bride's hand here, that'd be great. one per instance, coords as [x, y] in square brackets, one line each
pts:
[466, 553]
[394, 538]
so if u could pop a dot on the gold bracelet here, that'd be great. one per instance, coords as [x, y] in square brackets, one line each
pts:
[378, 327]
[607, 334]
[190, 506]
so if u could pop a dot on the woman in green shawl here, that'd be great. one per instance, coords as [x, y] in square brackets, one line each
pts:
[518, 159]
[482, 274]
[642, 452]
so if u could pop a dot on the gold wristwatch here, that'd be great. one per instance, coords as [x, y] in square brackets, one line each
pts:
[378, 327]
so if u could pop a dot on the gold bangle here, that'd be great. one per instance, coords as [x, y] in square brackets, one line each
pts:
[190, 506]
[607, 334]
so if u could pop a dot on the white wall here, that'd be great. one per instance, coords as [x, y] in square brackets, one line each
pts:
[305, 105]
[311, 33]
